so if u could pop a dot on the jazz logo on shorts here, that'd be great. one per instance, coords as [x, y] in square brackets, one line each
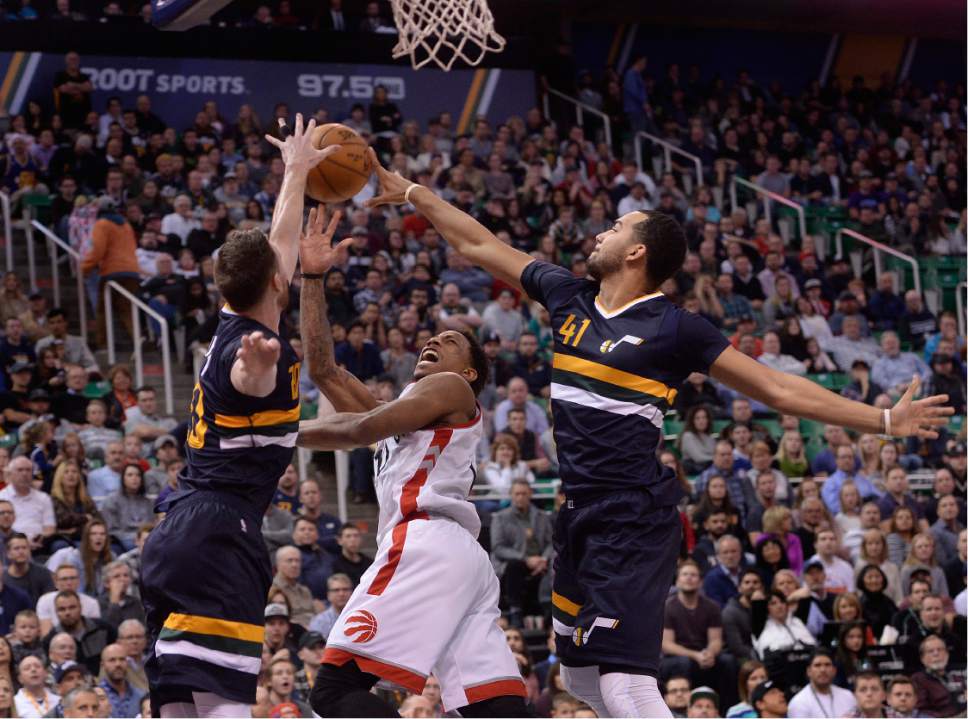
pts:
[581, 637]
[360, 627]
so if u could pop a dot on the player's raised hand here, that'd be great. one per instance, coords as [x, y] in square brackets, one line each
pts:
[258, 353]
[393, 188]
[919, 418]
[316, 251]
[298, 149]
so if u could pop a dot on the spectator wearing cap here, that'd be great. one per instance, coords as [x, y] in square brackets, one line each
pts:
[34, 698]
[894, 369]
[339, 587]
[112, 255]
[769, 700]
[821, 697]
[125, 699]
[945, 380]
[288, 571]
[67, 677]
[311, 648]
[278, 629]
[34, 509]
[703, 702]
[15, 345]
[916, 322]
[852, 345]
[76, 350]
[15, 401]
[885, 307]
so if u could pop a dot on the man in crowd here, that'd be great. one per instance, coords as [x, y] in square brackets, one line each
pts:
[300, 599]
[312, 645]
[846, 472]
[869, 695]
[106, 480]
[901, 697]
[351, 561]
[144, 421]
[76, 350]
[517, 398]
[125, 699]
[339, 587]
[677, 689]
[703, 703]
[80, 702]
[738, 616]
[119, 600]
[821, 697]
[839, 574]
[327, 526]
[769, 700]
[721, 583]
[66, 579]
[521, 551]
[34, 700]
[90, 635]
[24, 573]
[724, 465]
[940, 693]
[34, 509]
[316, 563]
[894, 369]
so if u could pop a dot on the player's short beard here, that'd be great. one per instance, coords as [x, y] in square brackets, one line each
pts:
[601, 264]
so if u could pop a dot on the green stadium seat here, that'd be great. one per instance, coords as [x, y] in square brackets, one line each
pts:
[96, 390]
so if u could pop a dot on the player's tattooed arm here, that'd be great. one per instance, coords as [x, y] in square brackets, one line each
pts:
[300, 156]
[461, 231]
[790, 394]
[438, 399]
[316, 256]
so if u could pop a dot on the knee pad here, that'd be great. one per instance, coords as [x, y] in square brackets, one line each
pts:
[504, 706]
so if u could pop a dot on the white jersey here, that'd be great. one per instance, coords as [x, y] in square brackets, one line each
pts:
[428, 472]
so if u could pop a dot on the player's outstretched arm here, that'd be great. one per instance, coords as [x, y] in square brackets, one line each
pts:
[461, 231]
[316, 256]
[799, 396]
[300, 156]
[443, 398]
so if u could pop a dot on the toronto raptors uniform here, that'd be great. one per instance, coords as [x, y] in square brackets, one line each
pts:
[429, 602]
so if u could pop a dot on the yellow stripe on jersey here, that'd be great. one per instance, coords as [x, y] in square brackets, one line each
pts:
[614, 376]
[565, 604]
[258, 419]
[216, 627]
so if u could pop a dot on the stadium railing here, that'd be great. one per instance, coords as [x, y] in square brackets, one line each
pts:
[137, 306]
[960, 292]
[7, 229]
[580, 109]
[668, 149]
[543, 489]
[879, 249]
[53, 242]
[768, 208]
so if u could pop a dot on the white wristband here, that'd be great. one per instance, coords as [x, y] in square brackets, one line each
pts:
[887, 422]
[406, 195]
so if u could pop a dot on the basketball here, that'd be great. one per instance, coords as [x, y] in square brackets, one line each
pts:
[342, 174]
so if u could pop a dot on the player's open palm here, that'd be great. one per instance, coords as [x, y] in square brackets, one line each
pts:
[258, 354]
[298, 148]
[919, 418]
[316, 250]
[393, 187]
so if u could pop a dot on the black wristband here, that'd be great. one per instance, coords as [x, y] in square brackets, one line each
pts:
[312, 275]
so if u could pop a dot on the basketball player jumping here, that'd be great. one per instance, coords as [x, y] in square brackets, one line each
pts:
[206, 571]
[429, 602]
[621, 350]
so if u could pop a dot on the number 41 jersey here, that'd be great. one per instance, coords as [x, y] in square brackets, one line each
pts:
[614, 376]
[237, 444]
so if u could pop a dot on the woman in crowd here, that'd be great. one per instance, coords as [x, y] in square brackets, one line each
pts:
[778, 525]
[921, 557]
[780, 305]
[792, 340]
[73, 508]
[90, 558]
[128, 508]
[7, 707]
[71, 448]
[716, 496]
[37, 442]
[813, 324]
[851, 655]
[752, 673]
[873, 551]
[847, 609]
[887, 459]
[877, 608]
[8, 672]
[519, 649]
[781, 630]
[848, 518]
[770, 558]
[901, 529]
[762, 460]
[398, 362]
[869, 448]
[696, 443]
[121, 397]
[818, 361]
[50, 374]
[553, 687]
[791, 456]
[505, 465]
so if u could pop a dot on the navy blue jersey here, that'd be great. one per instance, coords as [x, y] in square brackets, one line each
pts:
[613, 377]
[238, 444]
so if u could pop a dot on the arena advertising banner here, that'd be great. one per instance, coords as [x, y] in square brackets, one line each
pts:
[179, 86]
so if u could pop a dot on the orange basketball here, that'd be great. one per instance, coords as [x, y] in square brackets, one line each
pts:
[342, 174]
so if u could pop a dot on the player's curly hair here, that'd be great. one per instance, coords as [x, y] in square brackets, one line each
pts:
[665, 246]
[479, 362]
[244, 268]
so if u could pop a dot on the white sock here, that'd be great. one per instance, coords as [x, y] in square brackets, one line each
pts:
[173, 710]
[632, 695]
[210, 705]
[583, 683]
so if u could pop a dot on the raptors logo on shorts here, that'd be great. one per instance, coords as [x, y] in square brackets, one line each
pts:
[363, 624]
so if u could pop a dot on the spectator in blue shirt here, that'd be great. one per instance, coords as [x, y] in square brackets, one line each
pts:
[635, 97]
[721, 583]
[724, 466]
[885, 307]
[125, 699]
[358, 355]
[894, 369]
[846, 472]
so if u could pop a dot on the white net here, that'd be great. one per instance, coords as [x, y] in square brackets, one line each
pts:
[444, 31]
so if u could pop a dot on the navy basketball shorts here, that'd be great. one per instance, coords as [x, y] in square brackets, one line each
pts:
[204, 581]
[616, 560]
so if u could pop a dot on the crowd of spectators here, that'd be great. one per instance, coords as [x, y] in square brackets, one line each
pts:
[796, 538]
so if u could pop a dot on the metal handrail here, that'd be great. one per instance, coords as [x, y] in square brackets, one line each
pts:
[31, 259]
[668, 148]
[7, 229]
[138, 304]
[53, 241]
[801, 213]
[878, 248]
[960, 306]
[580, 109]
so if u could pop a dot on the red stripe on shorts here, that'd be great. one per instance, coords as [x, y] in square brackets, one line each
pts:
[398, 675]
[499, 688]
[385, 574]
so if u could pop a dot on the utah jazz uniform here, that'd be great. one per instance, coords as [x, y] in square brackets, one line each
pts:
[617, 535]
[206, 571]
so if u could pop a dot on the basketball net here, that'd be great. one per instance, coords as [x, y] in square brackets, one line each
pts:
[443, 31]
